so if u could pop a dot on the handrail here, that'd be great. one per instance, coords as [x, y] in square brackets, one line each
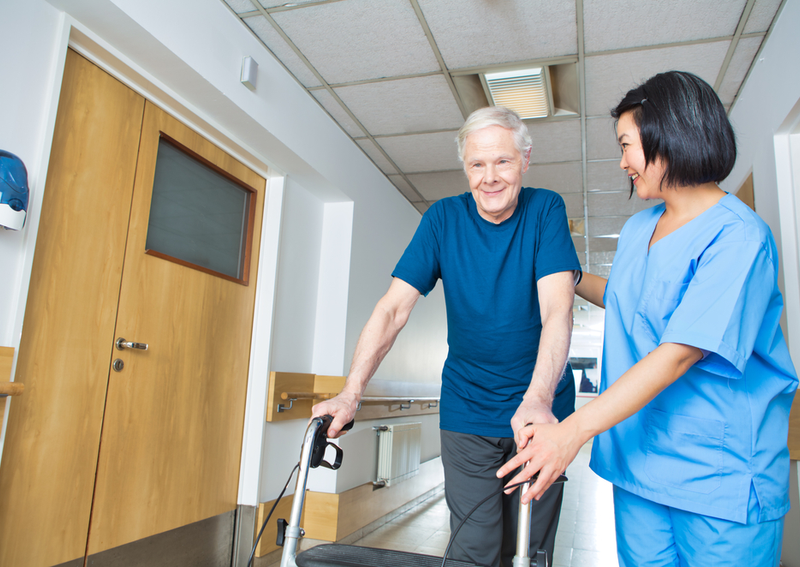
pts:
[404, 401]
[11, 389]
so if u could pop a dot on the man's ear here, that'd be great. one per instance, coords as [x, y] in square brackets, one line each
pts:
[526, 159]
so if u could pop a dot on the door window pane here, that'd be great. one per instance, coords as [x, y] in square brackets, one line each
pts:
[198, 216]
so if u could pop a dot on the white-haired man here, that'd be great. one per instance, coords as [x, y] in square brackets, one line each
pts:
[507, 263]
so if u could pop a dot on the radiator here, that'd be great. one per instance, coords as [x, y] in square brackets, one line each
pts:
[398, 452]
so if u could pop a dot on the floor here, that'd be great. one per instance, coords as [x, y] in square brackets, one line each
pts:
[585, 532]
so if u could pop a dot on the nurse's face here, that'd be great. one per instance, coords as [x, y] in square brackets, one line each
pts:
[647, 180]
[494, 169]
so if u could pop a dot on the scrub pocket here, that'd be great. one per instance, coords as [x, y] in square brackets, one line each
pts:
[684, 452]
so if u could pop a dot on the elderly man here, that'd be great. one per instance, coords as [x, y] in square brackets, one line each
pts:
[507, 264]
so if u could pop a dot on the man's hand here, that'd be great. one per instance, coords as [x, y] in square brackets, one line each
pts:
[531, 411]
[342, 408]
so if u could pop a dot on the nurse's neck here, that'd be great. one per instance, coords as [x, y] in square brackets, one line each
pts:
[684, 204]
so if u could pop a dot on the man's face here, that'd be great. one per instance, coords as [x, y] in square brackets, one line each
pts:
[494, 169]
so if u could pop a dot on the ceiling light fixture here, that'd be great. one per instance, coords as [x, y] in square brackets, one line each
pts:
[524, 91]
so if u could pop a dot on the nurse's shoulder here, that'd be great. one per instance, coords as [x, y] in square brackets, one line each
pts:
[742, 224]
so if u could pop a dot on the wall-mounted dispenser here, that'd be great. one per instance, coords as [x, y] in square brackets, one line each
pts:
[13, 191]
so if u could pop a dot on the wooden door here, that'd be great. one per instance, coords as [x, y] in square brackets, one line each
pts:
[96, 458]
[51, 446]
[172, 435]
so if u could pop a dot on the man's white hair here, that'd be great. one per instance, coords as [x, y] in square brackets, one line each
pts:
[495, 116]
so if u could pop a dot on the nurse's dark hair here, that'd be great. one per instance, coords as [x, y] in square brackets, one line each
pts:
[682, 121]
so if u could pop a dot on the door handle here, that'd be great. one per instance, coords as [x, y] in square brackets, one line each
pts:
[122, 344]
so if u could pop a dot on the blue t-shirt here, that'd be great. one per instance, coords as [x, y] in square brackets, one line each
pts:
[721, 428]
[489, 273]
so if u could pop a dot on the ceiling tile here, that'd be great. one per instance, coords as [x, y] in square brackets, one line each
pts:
[620, 24]
[355, 40]
[240, 6]
[606, 176]
[472, 33]
[740, 64]
[609, 77]
[404, 188]
[574, 204]
[601, 138]
[761, 16]
[335, 109]
[405, 105]
[555, 141]
[604, 226]
[602, 244]
[275, 43]
[423, 152]
[435, 186]
[376, 155]
[560, 177]
[613, 204]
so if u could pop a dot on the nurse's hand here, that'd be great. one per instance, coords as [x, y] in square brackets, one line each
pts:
[552, 447]
[531, 411]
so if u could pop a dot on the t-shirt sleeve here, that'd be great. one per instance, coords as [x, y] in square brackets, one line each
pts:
[724, 305]
[555, 251]
[419, 265]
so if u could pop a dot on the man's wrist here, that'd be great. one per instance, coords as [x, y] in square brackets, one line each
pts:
[540, 395]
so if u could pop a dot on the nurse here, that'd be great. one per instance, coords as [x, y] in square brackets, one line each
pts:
[697, 382]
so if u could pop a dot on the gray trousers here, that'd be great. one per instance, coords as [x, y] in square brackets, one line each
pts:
[489, 536]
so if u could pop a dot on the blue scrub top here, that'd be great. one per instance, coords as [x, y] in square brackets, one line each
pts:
[701, 443]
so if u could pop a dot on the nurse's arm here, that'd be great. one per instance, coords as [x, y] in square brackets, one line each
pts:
[592, 288]
[553, 447]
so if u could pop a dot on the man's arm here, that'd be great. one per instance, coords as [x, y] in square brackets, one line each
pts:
[387, 320]
[556, 294]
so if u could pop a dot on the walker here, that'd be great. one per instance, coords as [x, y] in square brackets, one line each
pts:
[338, 555]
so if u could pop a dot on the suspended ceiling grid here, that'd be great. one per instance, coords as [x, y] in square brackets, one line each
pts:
[399, 77]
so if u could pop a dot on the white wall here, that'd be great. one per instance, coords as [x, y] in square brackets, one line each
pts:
[186, 56]
[298, 277]
[29, 67]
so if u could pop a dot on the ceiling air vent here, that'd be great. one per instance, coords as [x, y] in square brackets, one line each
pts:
[524, 91]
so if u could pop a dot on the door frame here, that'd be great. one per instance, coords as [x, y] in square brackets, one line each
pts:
[75, 35]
